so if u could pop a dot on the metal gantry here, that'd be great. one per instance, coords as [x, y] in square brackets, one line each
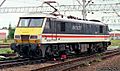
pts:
[83, 8]
[90, 7]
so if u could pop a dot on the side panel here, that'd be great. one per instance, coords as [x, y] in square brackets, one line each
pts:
[50, 28]
[70, 38]
[72, 32]
[28, 31]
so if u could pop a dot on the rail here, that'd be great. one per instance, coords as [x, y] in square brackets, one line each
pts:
[18, 62]
[4, 45]
[69, 65]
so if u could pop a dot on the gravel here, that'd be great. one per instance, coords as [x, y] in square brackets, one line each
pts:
[27, 67]
[111, 64]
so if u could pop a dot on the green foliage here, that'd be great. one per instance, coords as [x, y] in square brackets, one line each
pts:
[11, 33]
[97, 60]
[115, 42]
[86, 63]
[98, 56]
[110, 30]
[5, 50]
[1, 59]
[5, 40]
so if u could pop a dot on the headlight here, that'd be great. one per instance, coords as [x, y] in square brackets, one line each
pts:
[33, 37]
[17, 36]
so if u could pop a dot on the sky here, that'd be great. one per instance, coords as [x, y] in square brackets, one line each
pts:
[12, 18]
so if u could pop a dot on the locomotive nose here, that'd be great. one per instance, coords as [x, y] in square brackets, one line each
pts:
[27, 39]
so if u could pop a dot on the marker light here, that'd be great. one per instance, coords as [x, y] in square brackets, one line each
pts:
[33, 37]
[17, 36]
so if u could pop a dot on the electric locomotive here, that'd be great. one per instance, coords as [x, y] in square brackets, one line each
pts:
[48, 36]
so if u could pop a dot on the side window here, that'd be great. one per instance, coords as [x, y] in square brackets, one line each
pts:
[101, 29]
[90, 29]
[62, 26]
[83, 29]
[47, 28]
[107, 29]
[48, 24]
[87, 28]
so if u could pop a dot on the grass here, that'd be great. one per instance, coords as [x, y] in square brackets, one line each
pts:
[5, 50]
[6, 41]
[115, 42]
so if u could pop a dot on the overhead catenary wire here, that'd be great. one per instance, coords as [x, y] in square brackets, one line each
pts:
[2, 3]
[23, 1]
[115, 11]
[19, 3]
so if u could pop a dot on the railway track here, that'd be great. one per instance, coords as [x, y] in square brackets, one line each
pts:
[60, 66]
[72, 64]
[17, 62]
[4, 45]
[8, 55]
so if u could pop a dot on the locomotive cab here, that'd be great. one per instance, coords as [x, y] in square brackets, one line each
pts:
[29, 30]
[27, 36]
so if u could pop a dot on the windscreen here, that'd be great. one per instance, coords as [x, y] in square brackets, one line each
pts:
[31, 22]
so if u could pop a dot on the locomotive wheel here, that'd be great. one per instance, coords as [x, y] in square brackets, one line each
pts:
[102, 49]
[38, 53]
[90, 50]
[35, 54]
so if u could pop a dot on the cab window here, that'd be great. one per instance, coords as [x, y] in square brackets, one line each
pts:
[36, 22]
[24, 22]
[31, 22]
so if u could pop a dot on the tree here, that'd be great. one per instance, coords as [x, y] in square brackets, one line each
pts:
[110, 30]
[117, 29]
[11, 32]
[4, 27]
[9, 28]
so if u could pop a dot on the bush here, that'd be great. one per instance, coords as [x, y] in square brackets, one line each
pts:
[5, 40]
[5, 50]
[11, 33]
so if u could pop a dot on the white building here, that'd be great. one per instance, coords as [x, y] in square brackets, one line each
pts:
[115, 34]
[4, 33]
